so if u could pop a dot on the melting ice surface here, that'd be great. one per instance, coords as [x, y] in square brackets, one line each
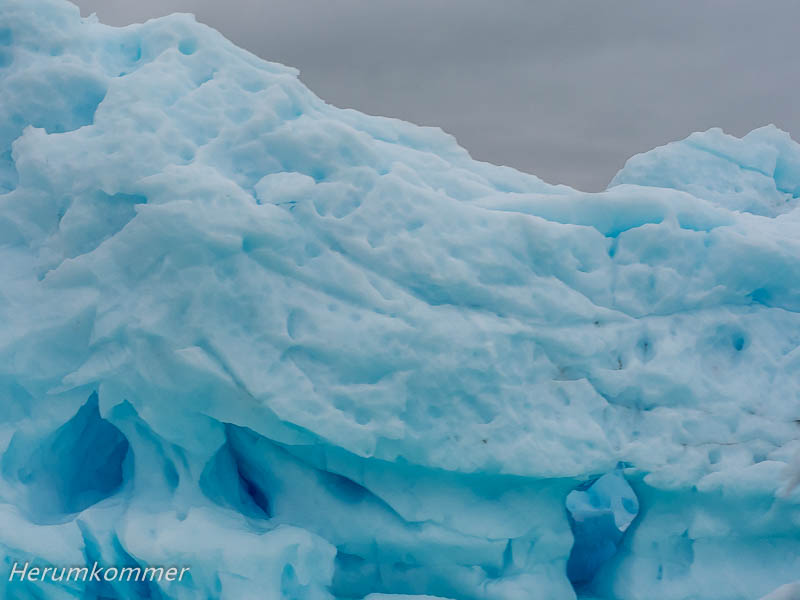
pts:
[313, 354]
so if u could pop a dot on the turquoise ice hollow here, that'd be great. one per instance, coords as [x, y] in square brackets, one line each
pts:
[313, 354]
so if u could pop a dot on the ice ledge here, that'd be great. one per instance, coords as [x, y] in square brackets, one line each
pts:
[759, 173]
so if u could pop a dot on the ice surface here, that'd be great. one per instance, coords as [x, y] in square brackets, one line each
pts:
[790, 591]
[315, 354]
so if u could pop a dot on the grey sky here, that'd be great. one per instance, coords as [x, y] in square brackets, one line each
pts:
[566, 90]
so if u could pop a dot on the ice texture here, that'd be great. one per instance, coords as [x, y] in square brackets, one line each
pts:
[599, 515]
[790, 591]
[314, 354]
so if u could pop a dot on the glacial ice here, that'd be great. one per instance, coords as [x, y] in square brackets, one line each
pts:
[599, 515]
[314, 354]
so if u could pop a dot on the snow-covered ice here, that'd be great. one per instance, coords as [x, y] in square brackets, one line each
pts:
[315, 354]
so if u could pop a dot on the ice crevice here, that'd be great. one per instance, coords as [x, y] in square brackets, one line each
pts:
[320, 355]
[600, 512]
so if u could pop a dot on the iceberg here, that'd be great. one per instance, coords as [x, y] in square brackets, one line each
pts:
[312, 354]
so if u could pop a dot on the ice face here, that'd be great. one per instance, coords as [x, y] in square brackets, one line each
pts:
[333, 356]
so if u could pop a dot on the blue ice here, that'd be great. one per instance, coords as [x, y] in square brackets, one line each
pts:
[318, 355]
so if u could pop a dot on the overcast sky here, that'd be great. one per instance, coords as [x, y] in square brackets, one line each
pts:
[565, 90]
